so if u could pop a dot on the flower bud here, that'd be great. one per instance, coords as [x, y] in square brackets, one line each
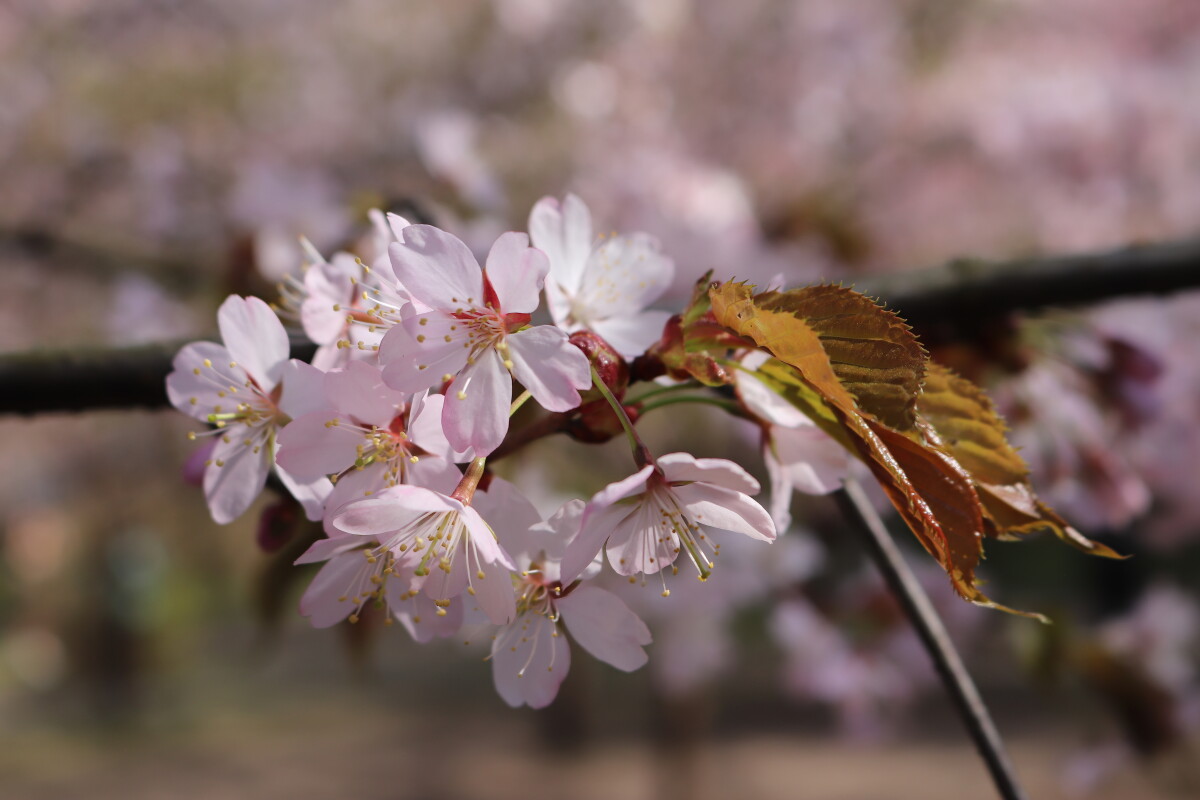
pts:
[277, 525]
[607, 362]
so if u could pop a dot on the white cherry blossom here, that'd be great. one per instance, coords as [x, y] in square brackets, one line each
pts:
[663, 508]
[600, 285]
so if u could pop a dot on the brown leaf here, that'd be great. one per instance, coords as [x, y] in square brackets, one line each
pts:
[966, 424]
[873, 352]
[932, 492]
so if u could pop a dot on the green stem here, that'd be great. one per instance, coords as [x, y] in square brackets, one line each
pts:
[641, 453]
[678, 387]
[729, 405]
[520, 401]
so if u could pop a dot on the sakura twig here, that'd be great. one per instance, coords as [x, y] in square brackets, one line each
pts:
[932, 633]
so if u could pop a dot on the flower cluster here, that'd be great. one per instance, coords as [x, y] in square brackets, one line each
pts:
[386, 436]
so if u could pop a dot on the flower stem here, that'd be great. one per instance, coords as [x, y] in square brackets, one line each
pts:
[520, 401]
[466, 487]
[641, 453]
[729, 405]
[912, 598]
[678, 387]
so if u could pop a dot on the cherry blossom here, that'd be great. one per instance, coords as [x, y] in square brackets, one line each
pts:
[369, 437]
[345, 305]
[664, 507]
[361, 571]
[529, 656]
[247, 388]
[600, 286]
[441, 542]
[476, 334]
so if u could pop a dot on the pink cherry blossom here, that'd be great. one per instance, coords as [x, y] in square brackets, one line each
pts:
[248, 389]
[476, 334]
[799, 456]
[445, 546]
[344, 305]
[529, 656]
[600, 286]
[361, 571]
[370, 437]
[664, 507]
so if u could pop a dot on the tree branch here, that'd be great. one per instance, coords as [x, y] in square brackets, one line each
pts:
[920, 612]
[944, 304]
[954, 300]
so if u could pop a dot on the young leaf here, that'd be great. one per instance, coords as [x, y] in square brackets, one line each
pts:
[877, 353]
[965, 423]
[873, 352]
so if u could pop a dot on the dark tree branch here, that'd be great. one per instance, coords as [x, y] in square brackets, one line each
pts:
[43, 381]
[959, 298]
[920, 612]
[946, 303]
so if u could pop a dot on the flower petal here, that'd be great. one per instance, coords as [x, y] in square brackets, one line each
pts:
[323, 601]
[201, 373]
[477, 403]
[437, 268]
[549, 366]
[303, 388]
[624, 274]
[815, 463]
[425, 425]
[352, 486]
[530, 661]
[392, 510]
[633, 334]
[357, 390]
[255, 338]
[516, 273]
[641, 542]
[726, 509]
[330, 287]
[564, 233]
[419, 615]
[600, 519]
[605, 627]
[684, 468]
[422, 351]
[762, 401]
[237, 474]
[311, 447]
[327, 548]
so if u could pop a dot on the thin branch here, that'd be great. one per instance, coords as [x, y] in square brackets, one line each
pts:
[946, 303]
[912, 598]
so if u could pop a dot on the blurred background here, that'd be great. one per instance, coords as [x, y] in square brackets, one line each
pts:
[156, 155]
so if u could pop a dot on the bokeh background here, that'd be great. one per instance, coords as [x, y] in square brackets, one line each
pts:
[156, 155]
